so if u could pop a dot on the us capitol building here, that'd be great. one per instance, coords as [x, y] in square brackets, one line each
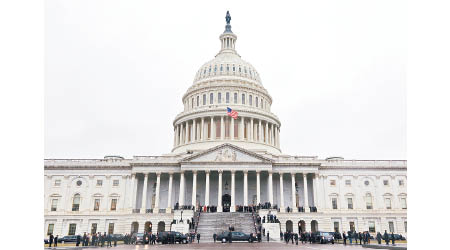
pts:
[225, 163]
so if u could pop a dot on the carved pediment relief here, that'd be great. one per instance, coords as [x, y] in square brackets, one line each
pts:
[226, 153]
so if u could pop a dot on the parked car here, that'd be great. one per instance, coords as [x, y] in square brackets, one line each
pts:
[139, 237]
[163, 237]
[118, 237]
[396, 237]
[236, 236]
[323, 237]
[337, 235]
[45, 241]
[68, 238]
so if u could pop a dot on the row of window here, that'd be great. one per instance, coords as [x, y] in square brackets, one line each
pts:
[226, 70]
[99, 183]
[401, 183]
[73, 228]
[256, 101]
[371, 225]
[369, 204]
[76, 204]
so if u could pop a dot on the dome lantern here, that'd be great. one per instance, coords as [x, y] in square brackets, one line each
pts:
[228, 38]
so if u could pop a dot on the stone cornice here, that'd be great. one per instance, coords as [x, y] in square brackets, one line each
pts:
[92, 167]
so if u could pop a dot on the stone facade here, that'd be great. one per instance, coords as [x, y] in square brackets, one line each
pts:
[237, 157]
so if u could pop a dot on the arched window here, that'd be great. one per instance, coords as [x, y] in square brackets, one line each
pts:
[211, 98]
[76, 203]
[221, 68]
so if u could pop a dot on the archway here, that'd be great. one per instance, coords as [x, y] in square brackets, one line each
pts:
[226, 202]
[289, 227]
[161, 226]
[301, 226]
[134, 227]
[314, 226]
[148, 227]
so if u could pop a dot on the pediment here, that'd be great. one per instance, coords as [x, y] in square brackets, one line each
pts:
[227, 153]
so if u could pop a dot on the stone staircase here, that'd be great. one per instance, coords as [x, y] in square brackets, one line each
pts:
[211, 223]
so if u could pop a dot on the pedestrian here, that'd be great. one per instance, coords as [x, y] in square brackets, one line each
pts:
[214, 237]
[78, 240]
[386, 237]
[115, 241]
[350, 237]
[379, 238]
[393, 238]
[109, 240]
[103, 239]
[344, 236]
[198, 238]
[267, 236]
[50, 240]
[55, 241]
[229, 237]
[83, 240]
[360, 238]
[296, 238]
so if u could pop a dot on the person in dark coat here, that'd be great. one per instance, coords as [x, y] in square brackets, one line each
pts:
[78, 240]
[344, 236]
[50, 240]
[379, 238]
[56, 241]
[103, 239]
[386, 237]
[267, 236]
[83, 239]
[214, 237]
[393, 239]
[198, 238]
[296, 238]
[109, 240]
[229, 237]
[115, 241]
[360, 238]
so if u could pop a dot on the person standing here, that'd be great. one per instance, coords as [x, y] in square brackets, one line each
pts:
[55, 242]
[50, 240]
[386, 237]
[214, 237]
[115, 241]
[344, 236]
[296, 238]
[198, 238]
[109, 240]
[393, 238]
[379, 238]
[229, 237]
[360, 238]
[103, 239]
[267, 236]
[78, 240]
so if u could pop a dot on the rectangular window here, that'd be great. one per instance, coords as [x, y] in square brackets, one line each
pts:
[243, 98]
[54, 204]
[403, 203]
[50, 229]
[57, 183]
[391, 226]
[336, 226]
[350, 203]
[348, 182]
[386, 182]
[72, 229]
[371, 226]
[94, 228]
[262, 103]
[219, 97]
[256, 101]
[99, 183]
[111, 228]
[227, 97]
[250, 99]
[401, 183]
[115, 183]
[235, 98]
[211, 98]
[96, 204]
[332, 182]
[204, 99]
[352, 226]
[388, 203]
[334, 203]
[113, 204]
[192, 103]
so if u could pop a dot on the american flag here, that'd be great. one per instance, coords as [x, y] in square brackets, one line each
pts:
[232, 113]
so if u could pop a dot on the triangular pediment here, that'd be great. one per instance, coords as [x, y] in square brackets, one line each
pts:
[227, 153]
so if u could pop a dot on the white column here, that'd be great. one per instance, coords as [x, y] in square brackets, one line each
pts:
[158, 184]
[194, 188]
[207, 189]
[233, 196]
[169, 199]
[315, 189]
[258, 187]
[181, 196]
[270, 188]
[219, 193]
[186, 136]
[278, 136]
[175, 136]
[266, 134]
[294, 205]
[251, 129]
[232, 128]
[271, 134]
[259, 132]
[144, 193]
[177, 139]
[305, 191]
[194, 131]
[222, 129]
[213, 129]
[245, 188]
[281, 192]
[241, 134]
[132, 199]
[202, 132]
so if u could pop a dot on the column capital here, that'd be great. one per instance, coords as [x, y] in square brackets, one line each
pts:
[293, 173]
[194, 171]
[245, 171]
[158, 174]
[207, 171]
[258, 171]
[220, 171]
[233, 171]
[305, 174]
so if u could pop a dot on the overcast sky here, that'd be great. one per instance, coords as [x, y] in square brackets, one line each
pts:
[116, 72]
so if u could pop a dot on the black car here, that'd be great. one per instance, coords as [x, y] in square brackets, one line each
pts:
[236, 236]
[117, 237]
[337, 235]
[323, 237]
[163, 237]
[396, 237]
[139, 237]
[68, 238]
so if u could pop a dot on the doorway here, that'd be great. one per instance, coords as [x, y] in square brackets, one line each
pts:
[226, 202]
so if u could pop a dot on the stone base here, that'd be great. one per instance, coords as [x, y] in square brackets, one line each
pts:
[273, 229]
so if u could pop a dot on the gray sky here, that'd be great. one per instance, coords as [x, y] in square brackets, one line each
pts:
[116, 72]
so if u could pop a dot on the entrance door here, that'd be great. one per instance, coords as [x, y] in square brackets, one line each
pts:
[226, 202]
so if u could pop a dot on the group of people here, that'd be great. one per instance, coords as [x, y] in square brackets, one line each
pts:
[52, 239]
[364, 237]
[270, 219]
[96, 239]
[289, 236]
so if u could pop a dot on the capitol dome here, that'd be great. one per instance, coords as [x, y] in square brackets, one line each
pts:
[227, 81]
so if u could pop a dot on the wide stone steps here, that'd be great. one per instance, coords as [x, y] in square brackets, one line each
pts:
[211, 223]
